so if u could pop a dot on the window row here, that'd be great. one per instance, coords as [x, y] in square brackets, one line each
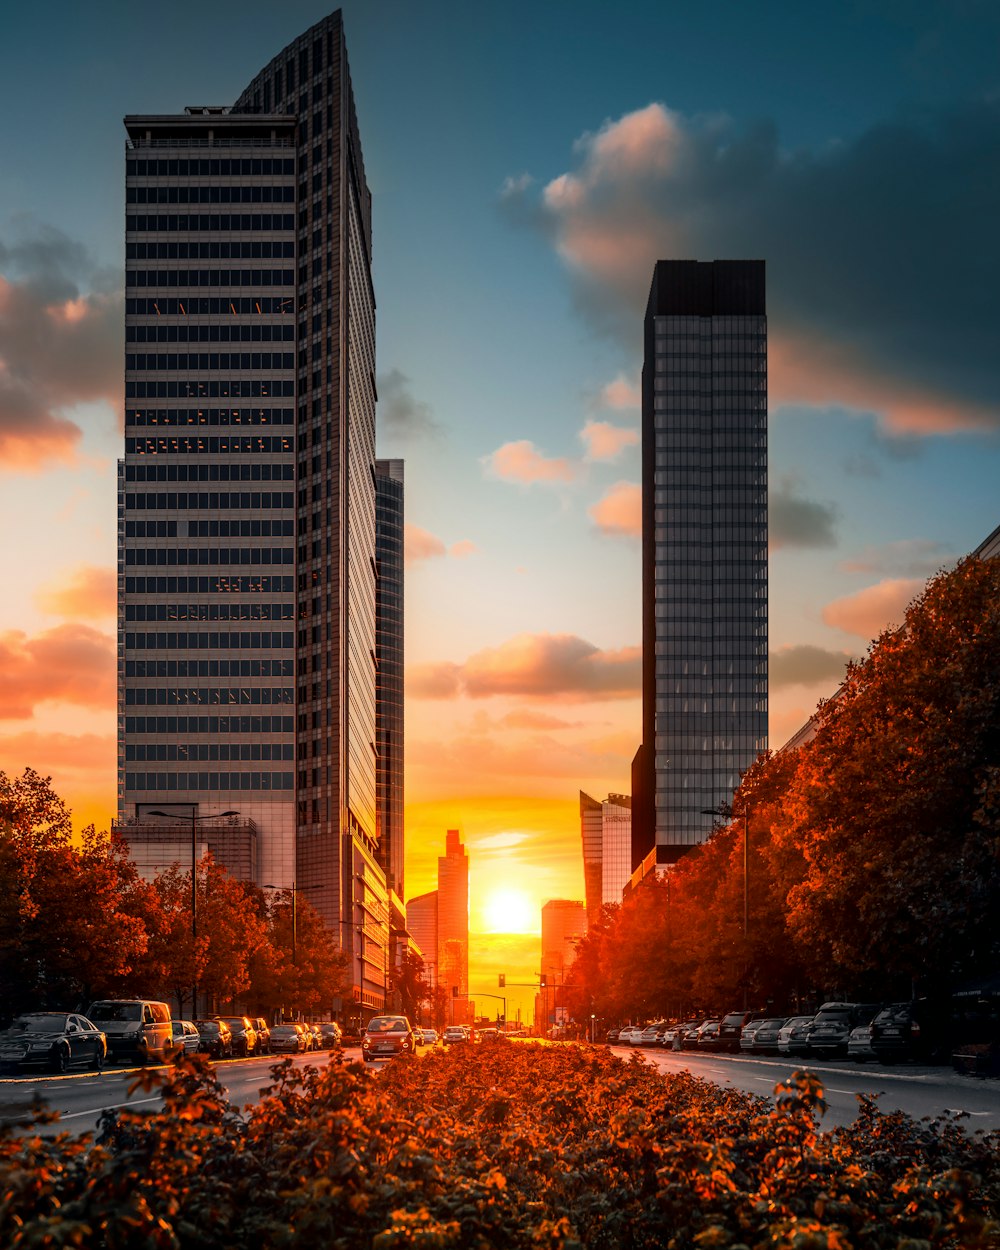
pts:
[210, 612]
[210, 781]
[215, 249]
[223, 585]
[203, 222]
[236, 445]
[209, 277]
[248, 641]
[209, 668]
[168, 332]
[210, 473]
[176, 501]
[210, 555]
[242, 194]
[210, 696]
[212, 389]
[209, 724]
[138, 417]
[210, 306]
[146, 361]
[241, 529]
[212, 751]
[214, 167]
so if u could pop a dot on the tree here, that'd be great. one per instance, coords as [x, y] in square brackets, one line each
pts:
[409, 983]
[307, 983]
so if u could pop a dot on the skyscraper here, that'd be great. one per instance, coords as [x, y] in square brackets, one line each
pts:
[704, 548]
[453, 921]
[606, 834]
[247, 574]
[389, 654]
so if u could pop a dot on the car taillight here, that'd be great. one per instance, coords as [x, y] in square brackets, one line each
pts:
[914, 1029]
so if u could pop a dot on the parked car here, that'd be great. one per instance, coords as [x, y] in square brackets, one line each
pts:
[137, 1029]
[455, 1033]
[793, 1036]
[184, 1036]
[58, 1039]
[832, 1027]
[760, 1036]
[313, 1034]
[263, 1031]
[611, 1037]
[647, 1036]
[430, 1037]
[731, 1027]
[385, 1037]
[673, 1036]
[859, 1043]
[216, 1038]
[329, 1035]
[689, 1037]
[288, 1039]
[244, 1035]
[916, 1030]
[709, 1036]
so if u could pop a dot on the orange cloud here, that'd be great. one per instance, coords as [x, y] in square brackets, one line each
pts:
[545, 665]
[420, 545]
[621, 393]
[462, 549]
[69, 664]
[51, 753]
[874, 609]
[605, 441]
[522, 462]
[87, 592]
[619, 512]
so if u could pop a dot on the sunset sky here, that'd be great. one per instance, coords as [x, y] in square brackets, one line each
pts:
[529, 162]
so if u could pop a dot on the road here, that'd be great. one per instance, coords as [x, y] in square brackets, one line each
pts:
[919, 1091]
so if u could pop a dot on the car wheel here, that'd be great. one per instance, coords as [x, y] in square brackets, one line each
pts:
[60, 1059]
[98, 1062]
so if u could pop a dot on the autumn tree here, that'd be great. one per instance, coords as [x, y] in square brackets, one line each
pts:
[301, 978]
[409, 985]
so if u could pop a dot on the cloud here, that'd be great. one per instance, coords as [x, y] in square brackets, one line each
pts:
[874, 609]
[45, 752]
[420, 545]
[797, 522]
[462, 549]
[604, 441]
[86, 592]
[522, 462]
[69, 664]
[805, 665]
[621, 393]
[60, 346]
[400, 415]
[883, 316]
[910, 557]
[534, 666]
[619, 511]
[523, 718]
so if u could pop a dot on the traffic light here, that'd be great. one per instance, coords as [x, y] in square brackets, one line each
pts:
[542, 981]
[454, 991]
[502, 980]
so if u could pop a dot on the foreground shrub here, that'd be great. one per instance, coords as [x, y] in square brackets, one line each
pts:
[500, 1146]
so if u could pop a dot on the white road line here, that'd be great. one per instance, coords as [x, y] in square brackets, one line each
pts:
[830, 1089]
[73, 1115]
[959, 1111]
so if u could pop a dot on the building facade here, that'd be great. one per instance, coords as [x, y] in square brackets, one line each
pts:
[564, 922]
[704, 549]
[453, 926]
[606, 834]
[422, 923]
[389, 521]
[247, 573]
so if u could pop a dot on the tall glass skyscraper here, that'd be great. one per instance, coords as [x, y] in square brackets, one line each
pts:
[389, 524]
[247, 561]
[704, 526]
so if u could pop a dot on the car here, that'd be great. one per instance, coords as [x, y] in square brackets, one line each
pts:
[263, 1031]
[184, 1036]
[288, 1039]
[430, 1037]
[215, 1038]
[709, 1036]
[689, 1037]
[915, 1030]
[455, 1033]
[329, 1035]
[647, 1036]
[731, 1027]
[611, 1037]
[760, 1037]
[673, 1036]
[859, 1044]
[793, 1036]
[386, 1037]
[244, 1035]
[137, 1029]
[59, 1040]
[832, 1027]
[313, 1032]
[630, 1035]
[488, 1035]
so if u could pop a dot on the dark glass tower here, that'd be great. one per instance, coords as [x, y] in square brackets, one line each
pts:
[704, 526]
[247, 669]
[389, 652]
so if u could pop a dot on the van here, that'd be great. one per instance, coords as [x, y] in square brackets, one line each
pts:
[137, 1030]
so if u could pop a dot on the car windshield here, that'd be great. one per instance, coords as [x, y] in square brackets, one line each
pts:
[387, 1024]
[284, 1030]
[735, 1017]
[833, 1017]
[39, 1022]
[115, 1011]
[896, 1011]
[206, 1026]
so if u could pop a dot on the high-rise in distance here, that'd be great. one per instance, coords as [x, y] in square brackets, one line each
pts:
[247, 659]
[704, 549]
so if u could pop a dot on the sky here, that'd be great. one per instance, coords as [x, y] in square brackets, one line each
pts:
[529, 162]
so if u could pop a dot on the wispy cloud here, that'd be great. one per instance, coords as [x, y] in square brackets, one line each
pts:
[805, 665]
[72, 664]
[794, 521]
[400, 415]
[619, 511]
[85, 592]
[876, 608]
[604, 441]
[521, 462]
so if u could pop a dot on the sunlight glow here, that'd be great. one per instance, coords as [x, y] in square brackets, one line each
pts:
[509, 911]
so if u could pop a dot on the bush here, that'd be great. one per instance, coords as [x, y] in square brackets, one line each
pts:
[502, 1146]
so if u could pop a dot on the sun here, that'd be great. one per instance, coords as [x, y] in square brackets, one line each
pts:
[509, 911]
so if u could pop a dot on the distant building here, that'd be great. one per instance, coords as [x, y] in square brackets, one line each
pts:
[564, 923]
[704, 548]
[606, 832]
[422, 922]
[453, 925]
[389, 680]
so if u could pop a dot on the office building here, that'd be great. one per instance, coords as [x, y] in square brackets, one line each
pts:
[606, 834]
[247, 572]
[389, 672]
[422, 923]
[564, 923]
[453, 922]
[704, 549]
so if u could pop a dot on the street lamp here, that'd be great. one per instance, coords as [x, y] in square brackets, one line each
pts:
[295, 891]
[195, 818]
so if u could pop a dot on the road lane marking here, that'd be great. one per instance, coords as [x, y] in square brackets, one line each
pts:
[73, 1115]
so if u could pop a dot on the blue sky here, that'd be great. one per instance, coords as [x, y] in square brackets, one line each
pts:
[529, 163]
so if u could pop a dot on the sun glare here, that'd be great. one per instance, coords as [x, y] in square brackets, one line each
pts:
[509, 911]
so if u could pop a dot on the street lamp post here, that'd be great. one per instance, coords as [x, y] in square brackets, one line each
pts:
[195, 818]
[295, 890]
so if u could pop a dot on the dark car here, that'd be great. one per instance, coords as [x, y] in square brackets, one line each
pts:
[455, 1033]
[690, 1032]
[330, 1035]
[916, 1030]
[385, 1037]
[263, 1031]
[216, 1038]
[57, 1039]
[244, 1035]
[288, 1039]
[708, 1037]
[832, 1027]
[731, 1027]
[760, 1037]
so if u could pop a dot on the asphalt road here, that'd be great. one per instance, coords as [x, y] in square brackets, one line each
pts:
[919, 1091]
